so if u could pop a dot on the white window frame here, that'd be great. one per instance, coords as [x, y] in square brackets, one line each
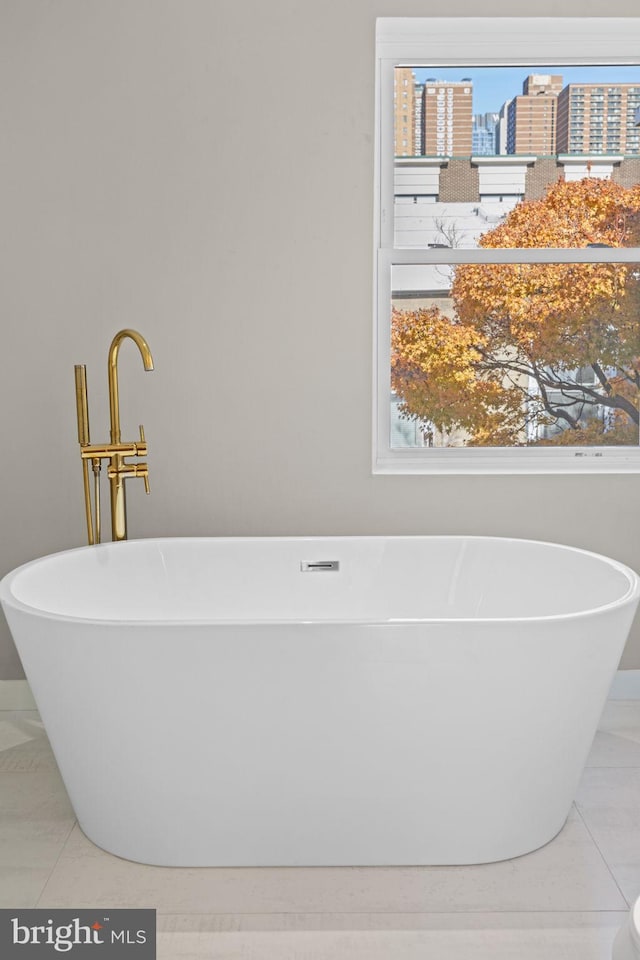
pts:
[469, 42]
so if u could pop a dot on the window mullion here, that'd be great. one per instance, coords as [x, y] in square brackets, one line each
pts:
[402, 255]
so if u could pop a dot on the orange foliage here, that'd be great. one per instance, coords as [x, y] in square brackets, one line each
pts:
[520, 331]
[434, 369]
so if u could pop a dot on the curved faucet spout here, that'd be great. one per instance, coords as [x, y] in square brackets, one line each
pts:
[147, 360]
[115, 452]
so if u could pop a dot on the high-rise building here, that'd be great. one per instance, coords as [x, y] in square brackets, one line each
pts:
[447, 117]
[537, 84]
[598, 118]
[405, 107]
[501, 131]
[484, 134]
[531, 116]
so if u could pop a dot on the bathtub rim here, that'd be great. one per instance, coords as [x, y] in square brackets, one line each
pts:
[634, 923]
[7, 598]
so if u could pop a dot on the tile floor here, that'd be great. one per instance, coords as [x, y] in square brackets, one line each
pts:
[566, 900]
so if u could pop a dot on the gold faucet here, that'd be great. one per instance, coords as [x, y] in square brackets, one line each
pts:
[115, 451]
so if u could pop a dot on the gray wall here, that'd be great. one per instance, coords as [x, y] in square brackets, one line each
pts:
[147, 181]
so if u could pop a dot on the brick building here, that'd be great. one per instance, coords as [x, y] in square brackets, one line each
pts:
[406, 115]
[447, 118]
[531, 116]
[598, 118]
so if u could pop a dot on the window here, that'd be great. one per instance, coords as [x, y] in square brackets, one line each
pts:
[507, 335]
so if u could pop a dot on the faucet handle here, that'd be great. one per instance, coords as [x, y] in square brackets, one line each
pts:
[141, 470]
[129, 471]
[145, 475]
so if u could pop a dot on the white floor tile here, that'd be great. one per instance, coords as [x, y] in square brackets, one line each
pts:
[563, 901]
[617, 742]
[609, 802]
[623, 717]
[353, 922]
[486, 938]
[12, 735]
[35, 822]
[566, 874]
[614, 750]
[22, 886]
[24, 745]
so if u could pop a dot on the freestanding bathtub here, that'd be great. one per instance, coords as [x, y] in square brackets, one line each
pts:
[316, 701]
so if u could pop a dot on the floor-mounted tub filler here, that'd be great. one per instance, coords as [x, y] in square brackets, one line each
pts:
[315, 701]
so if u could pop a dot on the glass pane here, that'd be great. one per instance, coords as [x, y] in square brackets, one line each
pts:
[471, 144]
[515, 355]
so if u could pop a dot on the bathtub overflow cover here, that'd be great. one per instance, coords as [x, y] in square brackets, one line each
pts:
[317, 566]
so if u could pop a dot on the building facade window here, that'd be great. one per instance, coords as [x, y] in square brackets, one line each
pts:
[506, 333]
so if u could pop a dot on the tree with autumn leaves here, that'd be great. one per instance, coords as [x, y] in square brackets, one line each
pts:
[529, 344]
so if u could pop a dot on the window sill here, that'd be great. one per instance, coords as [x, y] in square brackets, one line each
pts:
[499, 462]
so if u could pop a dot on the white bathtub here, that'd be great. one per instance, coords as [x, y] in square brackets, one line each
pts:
[432, 701]
[626, 946]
